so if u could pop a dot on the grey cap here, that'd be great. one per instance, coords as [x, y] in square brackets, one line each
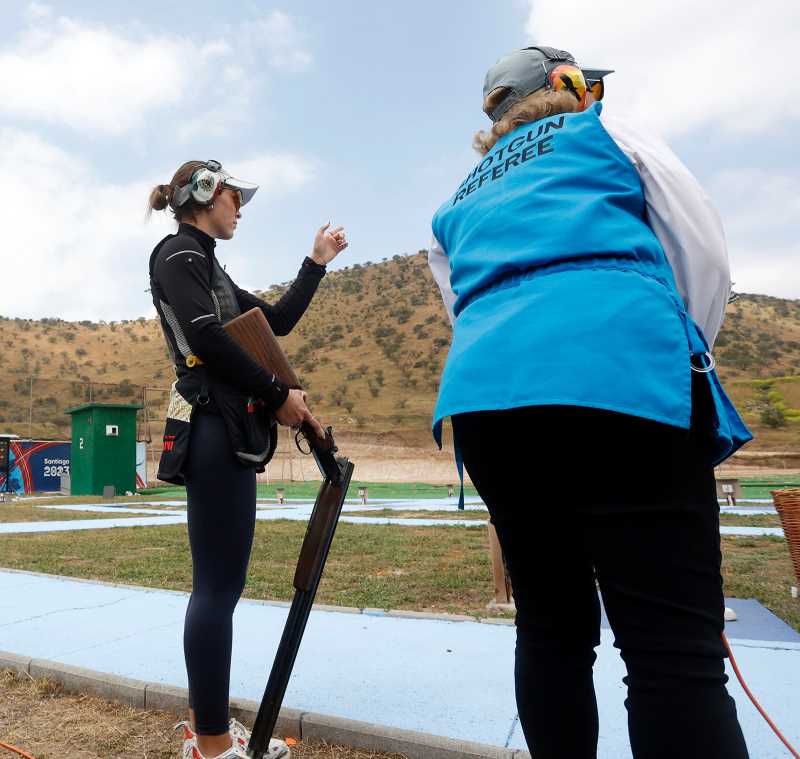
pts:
[525, 71]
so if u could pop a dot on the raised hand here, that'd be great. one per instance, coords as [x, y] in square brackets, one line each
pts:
[328, 244]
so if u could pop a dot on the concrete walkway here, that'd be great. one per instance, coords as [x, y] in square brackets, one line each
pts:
[300, 510]
[297, 510]
[448, 677]
[9, 528]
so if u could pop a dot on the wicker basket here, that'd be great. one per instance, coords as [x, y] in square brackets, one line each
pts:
[787, 504]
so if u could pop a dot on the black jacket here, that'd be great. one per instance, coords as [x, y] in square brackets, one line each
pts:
[194, 297]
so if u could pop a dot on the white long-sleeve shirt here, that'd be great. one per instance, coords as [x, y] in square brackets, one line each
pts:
[680, 214]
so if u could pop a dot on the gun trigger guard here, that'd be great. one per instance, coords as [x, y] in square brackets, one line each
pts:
[297, 438]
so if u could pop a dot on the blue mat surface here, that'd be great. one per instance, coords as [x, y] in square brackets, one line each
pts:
[449, 678]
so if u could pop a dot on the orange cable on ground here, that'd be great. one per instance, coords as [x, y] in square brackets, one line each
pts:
[755, 702]
[16, 750]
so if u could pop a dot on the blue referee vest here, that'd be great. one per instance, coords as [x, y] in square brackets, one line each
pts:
[563, 293]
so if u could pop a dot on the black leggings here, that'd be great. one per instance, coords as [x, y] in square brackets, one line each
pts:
[580, 494]
[221, 512]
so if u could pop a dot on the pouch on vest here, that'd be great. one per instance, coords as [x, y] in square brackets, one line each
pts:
[176, 438]
[252, 430]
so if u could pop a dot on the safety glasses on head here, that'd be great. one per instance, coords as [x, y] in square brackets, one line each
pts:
[567, 78]
[208, 181]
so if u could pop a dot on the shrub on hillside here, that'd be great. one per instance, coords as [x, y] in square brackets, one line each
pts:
[352, 287]
[402, 314]
[127, 388]
[769, 405]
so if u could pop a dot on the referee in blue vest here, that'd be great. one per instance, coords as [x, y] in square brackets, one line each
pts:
[586, 276]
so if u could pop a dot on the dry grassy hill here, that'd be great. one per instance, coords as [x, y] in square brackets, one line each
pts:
[370, 350]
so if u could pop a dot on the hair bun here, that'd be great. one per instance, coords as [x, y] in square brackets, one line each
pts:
[159, 197]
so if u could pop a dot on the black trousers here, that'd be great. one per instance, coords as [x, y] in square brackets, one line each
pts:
[578, 495]
[221, 513]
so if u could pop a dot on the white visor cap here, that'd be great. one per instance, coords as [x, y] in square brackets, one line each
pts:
[247, 189]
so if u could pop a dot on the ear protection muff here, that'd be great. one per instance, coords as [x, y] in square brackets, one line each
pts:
[206, 183]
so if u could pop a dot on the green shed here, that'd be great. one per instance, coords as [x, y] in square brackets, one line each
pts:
[103, 448]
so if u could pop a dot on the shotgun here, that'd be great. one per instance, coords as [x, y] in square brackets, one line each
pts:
[252, 332]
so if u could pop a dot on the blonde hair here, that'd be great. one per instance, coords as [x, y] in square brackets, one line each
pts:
[533, 107]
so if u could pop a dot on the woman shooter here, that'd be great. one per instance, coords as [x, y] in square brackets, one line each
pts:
[220, 427]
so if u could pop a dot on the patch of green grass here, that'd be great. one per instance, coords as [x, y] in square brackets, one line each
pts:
[421, 514]
[750, 520]
[444, 569]
[760, 568]
[760, 487]
[76, 500]
[22, 512]
[311, 488]
[144, 505]
[751, 488]
[164, 492]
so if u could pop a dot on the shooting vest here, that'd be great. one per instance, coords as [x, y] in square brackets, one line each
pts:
[563, 293]
[251, 428]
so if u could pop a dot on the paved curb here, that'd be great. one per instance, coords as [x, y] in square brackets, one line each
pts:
[126, 690]
[417, 745]
[19, 664]
[291, 722]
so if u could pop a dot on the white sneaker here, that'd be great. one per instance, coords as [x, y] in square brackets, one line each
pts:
[189, 742]
[240, 736]
[239, 732]
[234, 752]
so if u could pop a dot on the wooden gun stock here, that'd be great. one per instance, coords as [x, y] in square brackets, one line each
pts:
[254, 335]
[252, 332]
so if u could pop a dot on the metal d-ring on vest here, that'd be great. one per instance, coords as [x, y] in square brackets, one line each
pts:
[712, 364]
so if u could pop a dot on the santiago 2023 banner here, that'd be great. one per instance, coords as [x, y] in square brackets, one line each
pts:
[36, 466]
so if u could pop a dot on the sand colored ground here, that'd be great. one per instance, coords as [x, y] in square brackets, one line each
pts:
[40, 718]
[387, 458]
